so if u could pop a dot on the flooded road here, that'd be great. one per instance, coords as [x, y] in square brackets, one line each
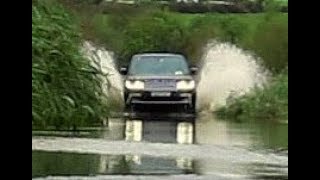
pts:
[202, 148]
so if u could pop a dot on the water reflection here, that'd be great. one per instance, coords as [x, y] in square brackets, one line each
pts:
[258, 135]
[185, 133]
[160, 131]
[185, 163]
[133, 131]
[217, 132]
[205, 130]
[71, 164]
[157, 131]
[268, 171]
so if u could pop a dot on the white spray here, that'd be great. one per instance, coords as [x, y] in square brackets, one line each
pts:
[226, 70]
[104, 61]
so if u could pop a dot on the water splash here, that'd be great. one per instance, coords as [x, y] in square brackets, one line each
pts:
[227, 70]
[103, 60]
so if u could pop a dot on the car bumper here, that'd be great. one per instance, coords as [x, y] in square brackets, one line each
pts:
[147, 98]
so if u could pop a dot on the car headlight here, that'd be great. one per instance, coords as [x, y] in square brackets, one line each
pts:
[134, 85]
[185, 85]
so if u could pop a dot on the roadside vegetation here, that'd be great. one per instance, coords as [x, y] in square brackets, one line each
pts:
[65, 90]
[269, 103]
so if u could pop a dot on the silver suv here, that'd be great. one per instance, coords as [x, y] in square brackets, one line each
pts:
[159, 79]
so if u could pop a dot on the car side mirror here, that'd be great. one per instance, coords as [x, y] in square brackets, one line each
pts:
[193, 70]
[123, 70]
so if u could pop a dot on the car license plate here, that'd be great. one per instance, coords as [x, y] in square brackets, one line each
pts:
[160, 94]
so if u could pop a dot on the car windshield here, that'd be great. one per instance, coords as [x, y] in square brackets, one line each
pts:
[158, 65]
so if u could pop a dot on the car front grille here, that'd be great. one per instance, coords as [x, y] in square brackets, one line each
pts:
[155, 84]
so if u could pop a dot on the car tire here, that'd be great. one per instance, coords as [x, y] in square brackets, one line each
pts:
[127, 107]
[192, 109]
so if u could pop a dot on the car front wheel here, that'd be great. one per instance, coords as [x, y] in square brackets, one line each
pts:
[192, 108]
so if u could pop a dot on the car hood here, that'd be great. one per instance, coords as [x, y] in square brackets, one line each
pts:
[186, 77]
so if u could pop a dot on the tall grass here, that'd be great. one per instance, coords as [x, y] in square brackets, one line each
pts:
[65, 89]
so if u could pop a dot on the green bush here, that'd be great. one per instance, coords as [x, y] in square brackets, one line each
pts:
[157, 32]
[65, 89]
[269, 103]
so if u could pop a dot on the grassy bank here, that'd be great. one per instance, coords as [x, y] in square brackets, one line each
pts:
[65, 90]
